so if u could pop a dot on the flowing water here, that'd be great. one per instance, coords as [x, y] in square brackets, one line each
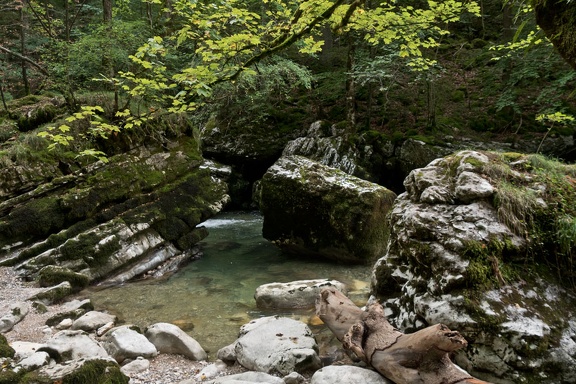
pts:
[212, 297]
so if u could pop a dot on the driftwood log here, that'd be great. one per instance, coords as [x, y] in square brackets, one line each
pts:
[420, 357]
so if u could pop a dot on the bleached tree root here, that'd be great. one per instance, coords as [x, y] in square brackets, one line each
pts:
[418, 358]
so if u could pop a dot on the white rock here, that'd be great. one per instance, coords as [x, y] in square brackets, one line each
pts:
[93, 320]
[125, 343]
[169, 338]
[295, 294]
[136, 366]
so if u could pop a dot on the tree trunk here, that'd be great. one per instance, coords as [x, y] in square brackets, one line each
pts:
[23, 52]
[558, 21]
[418, 358]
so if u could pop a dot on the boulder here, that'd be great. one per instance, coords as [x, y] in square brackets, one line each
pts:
[84, 370]
[53, 275]
[23, 349]
[16, 313]
[313, 209]
[135, 366]
[34, 361]
[93, 320]
[169, 338]
[458, 255]
[347, 374]
[126, 343]
[72, 345]
[53, 294]
[70, 310]
[277, 345]
[295, 294]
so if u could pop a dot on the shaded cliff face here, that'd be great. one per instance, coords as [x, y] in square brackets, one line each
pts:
[484, 243]
[136, 211]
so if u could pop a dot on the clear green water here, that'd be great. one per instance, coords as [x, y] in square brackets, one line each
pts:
[212, 297]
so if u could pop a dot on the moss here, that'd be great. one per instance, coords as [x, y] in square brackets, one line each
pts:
[90, 248]
[53, 275]
[5, 349]
[10, 377]
[97, 372]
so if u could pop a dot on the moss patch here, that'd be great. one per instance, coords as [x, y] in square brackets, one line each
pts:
[5, 349]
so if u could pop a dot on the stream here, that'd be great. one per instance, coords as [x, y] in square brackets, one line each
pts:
[212, 297]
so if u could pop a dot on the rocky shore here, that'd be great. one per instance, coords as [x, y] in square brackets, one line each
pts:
[164, 368]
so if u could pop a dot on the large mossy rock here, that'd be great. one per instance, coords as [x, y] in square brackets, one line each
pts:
[140, 208]
[313, 209]
[484, 243]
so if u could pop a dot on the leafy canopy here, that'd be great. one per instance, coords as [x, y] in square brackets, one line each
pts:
[219, 40]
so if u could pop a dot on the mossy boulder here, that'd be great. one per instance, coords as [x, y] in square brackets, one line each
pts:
[310, 208]
[483, 242]
[52, 275]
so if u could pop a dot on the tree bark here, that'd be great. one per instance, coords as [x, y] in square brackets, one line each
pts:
[418, 358]
[558, 21]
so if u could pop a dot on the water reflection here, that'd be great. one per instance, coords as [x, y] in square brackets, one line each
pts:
[213, 296]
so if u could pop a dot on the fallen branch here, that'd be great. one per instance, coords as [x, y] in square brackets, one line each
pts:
[418, 358]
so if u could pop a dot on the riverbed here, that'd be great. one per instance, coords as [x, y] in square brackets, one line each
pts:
[212, 297]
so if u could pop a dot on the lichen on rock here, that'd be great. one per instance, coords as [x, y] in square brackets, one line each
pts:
[481, 242]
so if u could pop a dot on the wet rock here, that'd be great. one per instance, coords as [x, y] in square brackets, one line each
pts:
[93, 320]
[277, 345]
[15, 314]
[295, 294]
[125, 343]
[347, 374]
[168, 338]
[309, 208]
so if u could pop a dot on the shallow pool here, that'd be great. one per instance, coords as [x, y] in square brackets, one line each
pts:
[212, 297]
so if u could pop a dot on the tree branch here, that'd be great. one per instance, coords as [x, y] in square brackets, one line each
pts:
[26, 59]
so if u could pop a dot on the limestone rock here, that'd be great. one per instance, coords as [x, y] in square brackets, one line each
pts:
[71, 345]
[294, 378]
[124, 217]
[93, 320]
[347, 374]
[125, 343]
[277, 345]
[16, 313]
[295, 294]
[135, 366]
[211, 370]
[98, 369]
[53, 274]
[448, 239]
[169, 338]
[53, 294]
[313, 209]
[24, 349]
[34, 361]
